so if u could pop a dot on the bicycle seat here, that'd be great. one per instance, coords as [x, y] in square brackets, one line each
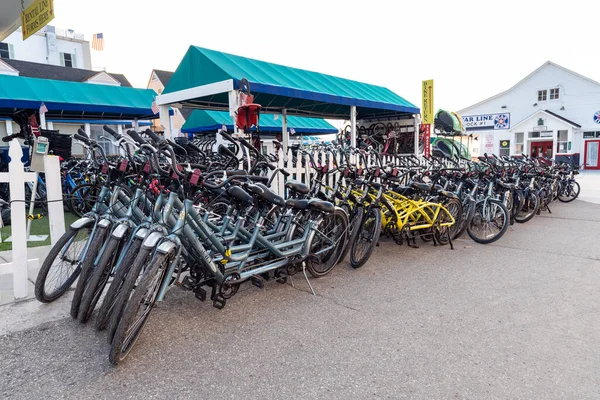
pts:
[297, 187]
[505, 185]
[261, 179]
[437, 187]
[321, 205]
[448, 194]
[266, 194]
[240, 195]
[421, 186]
[376, 185]
[298, 204]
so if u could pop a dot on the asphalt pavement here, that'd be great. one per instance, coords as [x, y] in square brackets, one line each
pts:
[517, 319]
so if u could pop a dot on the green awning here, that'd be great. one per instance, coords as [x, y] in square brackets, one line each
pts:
[74, 99]
[276, 87]
[209, 120]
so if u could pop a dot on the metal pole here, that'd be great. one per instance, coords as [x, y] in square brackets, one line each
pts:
[32, 203]
[285, 136]
[43, 120]
[353, 126]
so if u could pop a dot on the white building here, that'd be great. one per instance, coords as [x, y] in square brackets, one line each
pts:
[49, 46]
[61, 55]
[553, 112]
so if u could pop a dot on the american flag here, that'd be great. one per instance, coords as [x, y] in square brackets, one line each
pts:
[98, 42]
[155, 108]
[43, 108]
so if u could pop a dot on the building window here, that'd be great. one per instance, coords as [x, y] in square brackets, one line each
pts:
[562, 142]
[542, 95]
[504, 148]
[6, 50]
[554, 94]
[68, 60]
[519, 143]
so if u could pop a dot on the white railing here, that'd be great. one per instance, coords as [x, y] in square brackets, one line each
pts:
[17, 177]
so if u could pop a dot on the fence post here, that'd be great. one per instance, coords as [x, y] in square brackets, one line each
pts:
[56, 215]
[17, 216]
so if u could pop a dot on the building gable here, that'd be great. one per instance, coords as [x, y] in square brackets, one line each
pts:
[6, 69]
[103, 78]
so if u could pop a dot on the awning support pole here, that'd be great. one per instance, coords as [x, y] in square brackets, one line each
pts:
[285, 136]
[136, 125]
[165, 120]
[43, 120]
[353, 126]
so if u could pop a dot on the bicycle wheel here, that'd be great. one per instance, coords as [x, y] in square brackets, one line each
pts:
[327, 244]
[110, 299]
[133, 277]
[454, 207]
[355, 218]
[87, 267]
[138, 309]
[366, 239]
[99, 279]
[490, 221]
[468, 210]
[531, 204]
[83, 197]
[62, 265]
[569, 192]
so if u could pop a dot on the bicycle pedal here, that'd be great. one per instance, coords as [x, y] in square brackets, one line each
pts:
[188, 283]
[258, 282]
[200, 294]
[219, 302]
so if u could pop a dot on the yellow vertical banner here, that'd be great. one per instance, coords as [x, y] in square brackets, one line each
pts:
[427, 107]
[36, 16]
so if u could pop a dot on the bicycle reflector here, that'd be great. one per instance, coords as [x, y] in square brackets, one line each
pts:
[195, 177]
[105, 168]
[147, 168]
[123, 166]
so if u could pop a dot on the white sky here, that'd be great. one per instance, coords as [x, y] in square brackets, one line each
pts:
[472, 49]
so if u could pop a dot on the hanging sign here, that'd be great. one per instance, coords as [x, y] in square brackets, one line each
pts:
[427, 139]
[597, 117]
[487, 121]
[36, 16]
[427, 106]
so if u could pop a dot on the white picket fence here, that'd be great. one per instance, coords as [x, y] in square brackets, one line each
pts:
[17, 177]
[300, 168]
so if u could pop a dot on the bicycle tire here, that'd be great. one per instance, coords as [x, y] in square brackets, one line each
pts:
[141, 260]
[354, 223]
[372, 237]
[503, 229]
[98, 279]
[87, 266]
[81, 205]
[531, 204]
[454, 207]
[570, 198]
[468, 211]
[108, 303]
[337, 223]
[41, 294]
[145, 295]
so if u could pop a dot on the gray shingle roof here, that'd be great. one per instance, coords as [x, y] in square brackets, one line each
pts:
[58, 73]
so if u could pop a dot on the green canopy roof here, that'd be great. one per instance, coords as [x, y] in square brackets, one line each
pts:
[209, 120]
[276, 87]
[74, 99]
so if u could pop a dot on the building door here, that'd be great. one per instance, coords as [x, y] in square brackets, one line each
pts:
[541, 149]
[592, 155]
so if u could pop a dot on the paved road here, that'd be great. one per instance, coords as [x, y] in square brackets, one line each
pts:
[517, 319]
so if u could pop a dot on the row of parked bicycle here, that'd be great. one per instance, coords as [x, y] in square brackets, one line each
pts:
[162, 216]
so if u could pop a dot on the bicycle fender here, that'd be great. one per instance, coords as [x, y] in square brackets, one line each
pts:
[81, 222]
[152, 239]
[166, 247]
[104, 223]
[142, 233]
[120, 231]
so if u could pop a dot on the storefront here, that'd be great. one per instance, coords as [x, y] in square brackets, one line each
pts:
[553, 112]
